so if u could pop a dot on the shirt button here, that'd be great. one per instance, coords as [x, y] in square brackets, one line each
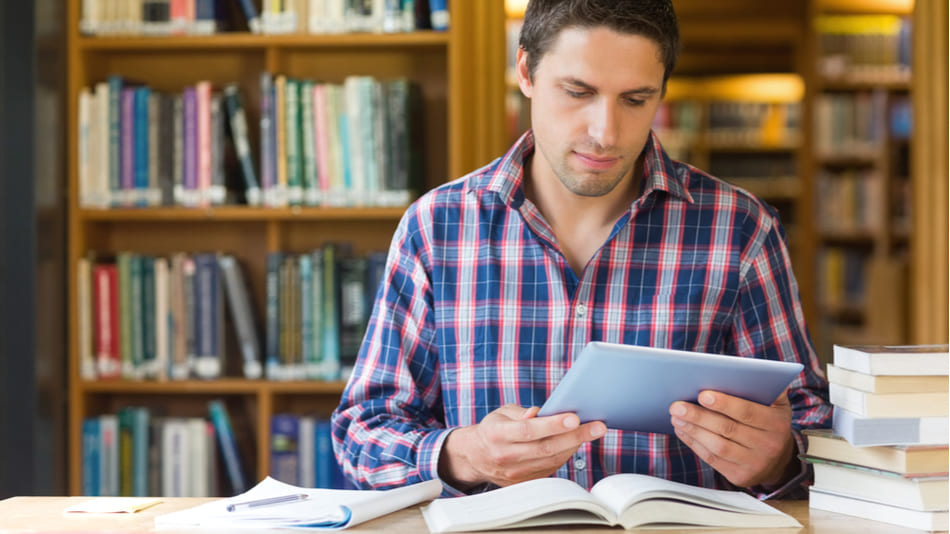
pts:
[579, 464]
[580, 310]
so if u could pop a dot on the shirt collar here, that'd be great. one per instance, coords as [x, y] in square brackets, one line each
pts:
[660, 172]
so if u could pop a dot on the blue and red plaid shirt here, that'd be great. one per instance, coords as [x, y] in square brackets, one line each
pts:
[479, 308]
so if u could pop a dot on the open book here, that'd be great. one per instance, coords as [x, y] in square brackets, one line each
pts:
[628, 500]
[299, 508]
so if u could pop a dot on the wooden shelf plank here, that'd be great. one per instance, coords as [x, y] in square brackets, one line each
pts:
[241, 213]
[240, 40]
[221, 386]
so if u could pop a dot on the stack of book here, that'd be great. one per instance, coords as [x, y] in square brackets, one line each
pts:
[886, 456]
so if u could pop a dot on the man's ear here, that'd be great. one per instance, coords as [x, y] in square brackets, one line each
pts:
[524, 76]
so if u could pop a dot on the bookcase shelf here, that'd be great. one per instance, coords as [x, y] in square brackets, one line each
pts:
[859, 76]
[462, 124]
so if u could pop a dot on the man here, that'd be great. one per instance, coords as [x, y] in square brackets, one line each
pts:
[585, 230]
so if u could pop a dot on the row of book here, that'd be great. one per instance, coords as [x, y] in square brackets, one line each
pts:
[301, 452]
[730, 122]
[346, 144]
[842, 274]
[135, 452]
[202, 17]
[318, 305]
[873, 48]
[886, 456]
[850, 123]
[850, 200]
[144, 317]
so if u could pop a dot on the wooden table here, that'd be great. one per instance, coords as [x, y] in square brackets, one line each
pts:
[45, 514]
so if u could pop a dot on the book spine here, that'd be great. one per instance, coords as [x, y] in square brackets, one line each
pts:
[91, 453]
[162, 321]
[251, 15]
[140, 445]
[108, 357]
[203, 118]
[147, 319]
[218, 189]
[311, 181]
[190, 186]
[291, 142]
[239, 135]
[272, 369]
[285, 435]
[228, 446]
[240, 306]
[85, 314]
[127, 177]
[109, 466]
[331, 320]
[208, 314]
[140, 142]
[115, 139]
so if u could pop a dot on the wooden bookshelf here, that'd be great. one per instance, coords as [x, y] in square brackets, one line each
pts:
[460, 74]
[859, 191]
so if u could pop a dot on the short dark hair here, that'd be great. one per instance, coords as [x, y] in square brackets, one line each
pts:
[653, 19]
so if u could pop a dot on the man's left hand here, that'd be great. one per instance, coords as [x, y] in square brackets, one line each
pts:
[747, 442]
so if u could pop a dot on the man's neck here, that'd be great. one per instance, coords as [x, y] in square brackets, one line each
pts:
[580, 224]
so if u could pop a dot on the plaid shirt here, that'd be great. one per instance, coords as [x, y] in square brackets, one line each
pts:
[479, 308]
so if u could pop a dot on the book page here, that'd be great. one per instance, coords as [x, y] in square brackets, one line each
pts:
[618, 492]
[325, 507]
[520, 504]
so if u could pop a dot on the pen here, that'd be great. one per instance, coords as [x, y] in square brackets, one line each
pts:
[267, 502]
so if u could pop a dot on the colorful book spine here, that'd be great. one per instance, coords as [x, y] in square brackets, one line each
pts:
[285, 435]
[228, 446]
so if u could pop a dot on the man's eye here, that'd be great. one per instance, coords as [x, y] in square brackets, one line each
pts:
[575, 94]
[636, 102]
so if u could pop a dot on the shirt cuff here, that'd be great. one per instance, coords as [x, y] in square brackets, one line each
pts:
[795, 488]
[430, 449]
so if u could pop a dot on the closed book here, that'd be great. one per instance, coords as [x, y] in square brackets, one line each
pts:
[292, 140]
[308, 148]
[107, 330]
[237, 120]
[251, 15]
[915, 493]
[273, 367]
[354, 312]
[203, 122]
[894, 359]
[227, 444]
[331, 317]
[109, 455]
[889, 404]
[887, 383]
[208, 316]
[326, 465]
[126, 469]
[124, 261]
[284, 444]
[865, 431]
[91, 454]
[306, 452]
[239, 304]
[907, 460]
[875, 511]
[140, 451]
[85, 314]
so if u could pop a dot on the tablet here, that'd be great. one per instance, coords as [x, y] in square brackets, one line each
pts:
[631, 388]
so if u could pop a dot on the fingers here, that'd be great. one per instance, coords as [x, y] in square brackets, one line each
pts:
[743, 440]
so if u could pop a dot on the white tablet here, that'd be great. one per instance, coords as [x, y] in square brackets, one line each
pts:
[631, 388]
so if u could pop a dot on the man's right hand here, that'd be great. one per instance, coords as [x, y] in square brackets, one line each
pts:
[511, 445]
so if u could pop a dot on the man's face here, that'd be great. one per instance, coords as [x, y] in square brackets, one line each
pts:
[593, 99]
